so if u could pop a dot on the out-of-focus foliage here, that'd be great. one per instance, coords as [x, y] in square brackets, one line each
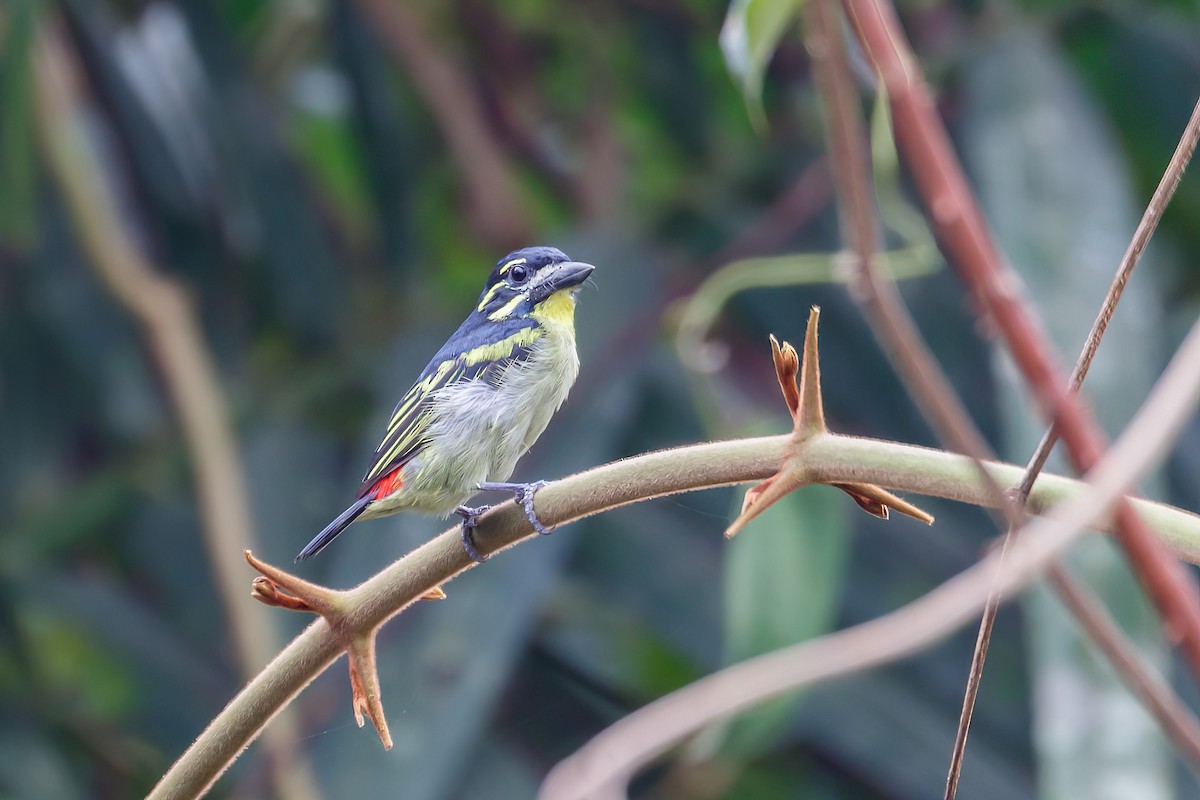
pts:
[751, 33]
[295, 167]
[1064, 221]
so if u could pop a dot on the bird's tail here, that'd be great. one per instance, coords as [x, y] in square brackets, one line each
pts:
[322, 539]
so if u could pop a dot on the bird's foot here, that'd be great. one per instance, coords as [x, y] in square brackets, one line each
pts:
[470, 518]
[523, 494]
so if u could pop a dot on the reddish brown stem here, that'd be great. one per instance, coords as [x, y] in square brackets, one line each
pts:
[1167, 185]
[1172, 713]
[922, 140]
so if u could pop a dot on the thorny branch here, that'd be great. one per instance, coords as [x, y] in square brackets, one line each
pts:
[964, 233]
[995, 288]
[830, 458]
[603, 767]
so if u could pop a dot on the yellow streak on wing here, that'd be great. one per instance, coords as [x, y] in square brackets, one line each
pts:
[502, 348]
[510, 264]
[503, 311]
[484, 353]
[415, 395]
[557, 309]
[395, 449]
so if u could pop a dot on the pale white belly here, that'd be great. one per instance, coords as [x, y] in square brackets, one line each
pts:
[481, 429]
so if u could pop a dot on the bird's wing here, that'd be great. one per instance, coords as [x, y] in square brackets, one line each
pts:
[407, 430]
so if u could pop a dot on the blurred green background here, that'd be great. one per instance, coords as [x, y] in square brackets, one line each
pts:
[331, 181]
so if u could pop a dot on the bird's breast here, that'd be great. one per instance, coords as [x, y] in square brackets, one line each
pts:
[480, 428]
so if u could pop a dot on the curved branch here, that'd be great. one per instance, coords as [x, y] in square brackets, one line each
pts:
[604, 766]
[828, 457]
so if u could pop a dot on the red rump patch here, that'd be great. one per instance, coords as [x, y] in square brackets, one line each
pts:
[387, 485]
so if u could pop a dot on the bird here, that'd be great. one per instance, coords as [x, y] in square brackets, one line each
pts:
[482, 401]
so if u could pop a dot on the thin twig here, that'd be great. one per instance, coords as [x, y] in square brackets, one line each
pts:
[603, 766]
[173, 336]
[1133, 671]
[1148, 224]
[884, 309]
[996, 289]
[889, 317]
[1172, 713]
[975, 674]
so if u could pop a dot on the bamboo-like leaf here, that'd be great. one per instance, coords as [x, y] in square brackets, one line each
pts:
[782, 586]
[751, 33]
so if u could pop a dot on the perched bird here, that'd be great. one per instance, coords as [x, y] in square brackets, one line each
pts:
[481, 402]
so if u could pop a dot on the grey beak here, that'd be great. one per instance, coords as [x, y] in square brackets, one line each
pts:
[565, 275]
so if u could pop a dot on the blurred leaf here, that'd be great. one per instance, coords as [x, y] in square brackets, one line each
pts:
[33, 764]
[1142, 68]
[325, 146]
[382, 136]
[86, 680]
[17, 206]
[1064, 219]
[765, 783]
[749, 36]
[783, 581]
[58, 529]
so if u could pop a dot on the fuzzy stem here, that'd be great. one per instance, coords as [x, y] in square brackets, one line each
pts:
[829, 457]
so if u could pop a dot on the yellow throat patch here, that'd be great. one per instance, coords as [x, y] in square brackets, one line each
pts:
[557, 309]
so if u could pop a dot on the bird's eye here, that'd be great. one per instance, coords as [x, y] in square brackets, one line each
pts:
[518, 274]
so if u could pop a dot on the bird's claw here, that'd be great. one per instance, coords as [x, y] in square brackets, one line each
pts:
[470, 518]
[523, 495]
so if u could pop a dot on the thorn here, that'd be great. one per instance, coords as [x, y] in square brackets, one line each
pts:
[877, 501]
[364, 686]
[436, 593]
[867, 503]
[279, 588]
[810, 418]
[284, 590]
[766, 494]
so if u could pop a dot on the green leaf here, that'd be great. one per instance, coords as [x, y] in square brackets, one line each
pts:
[783, 580]
[326, 147]
[751, 33]
[17, 221]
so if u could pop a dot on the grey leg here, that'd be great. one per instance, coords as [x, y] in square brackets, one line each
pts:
[470, 518]
[523, 493]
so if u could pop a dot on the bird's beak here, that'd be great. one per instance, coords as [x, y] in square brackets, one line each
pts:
[564, 276]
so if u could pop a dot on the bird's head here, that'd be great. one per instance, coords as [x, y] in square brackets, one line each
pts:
[534, 282]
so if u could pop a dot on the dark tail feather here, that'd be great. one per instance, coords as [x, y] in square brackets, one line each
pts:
[322, 539]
